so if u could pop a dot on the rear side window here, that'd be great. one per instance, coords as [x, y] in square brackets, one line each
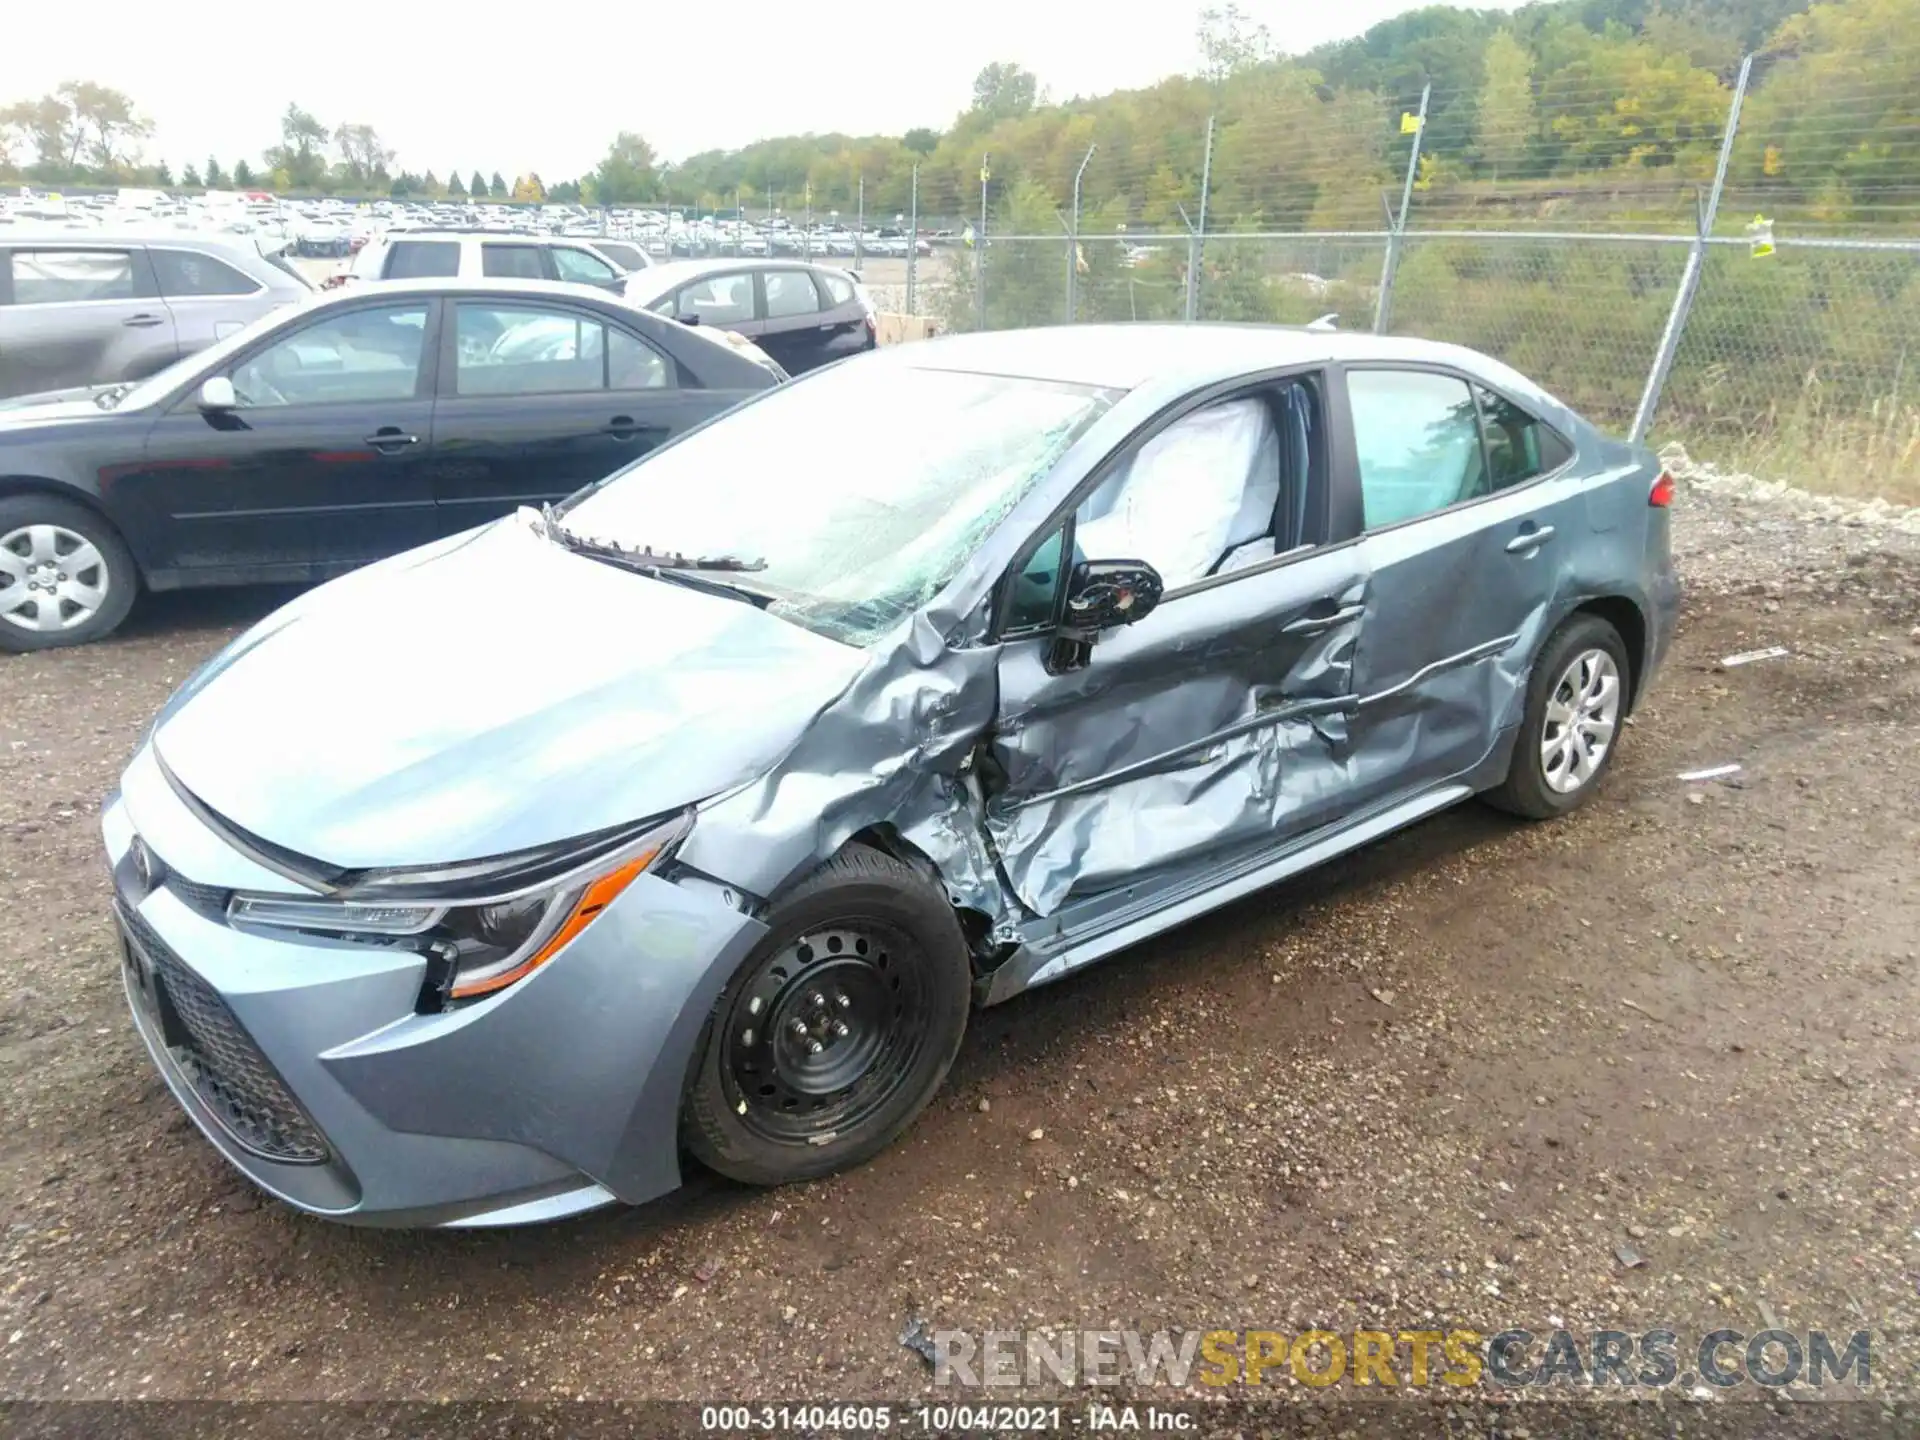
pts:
[512, 262]
[580, 267]
[1519, 446]
[423, 260]
[839, 288]
[520, 350]
[64, 277]
[790, 292]
[1418, 438]
[633, 364]
[718, 300]
[183, 273]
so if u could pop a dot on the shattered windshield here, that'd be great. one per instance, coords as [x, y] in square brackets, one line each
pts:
[864, 488]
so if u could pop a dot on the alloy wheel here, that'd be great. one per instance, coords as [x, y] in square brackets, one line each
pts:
[1583, 713]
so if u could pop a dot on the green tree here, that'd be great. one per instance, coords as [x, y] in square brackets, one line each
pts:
[216, 177]
[456, 187]
[47, 125]
[243, 176]
[627, 175]
[101, 124]
[477, 186]
[1003, 91]
[162, 176]
[566, 192]
[299, 151]
[190, 179]
[497, 187]
[1503, 123]
[431, 186]
[364, 157]
[1835, 125]
[1231, 41]
[921, 141]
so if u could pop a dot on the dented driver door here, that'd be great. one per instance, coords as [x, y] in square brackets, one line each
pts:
[1214, 727]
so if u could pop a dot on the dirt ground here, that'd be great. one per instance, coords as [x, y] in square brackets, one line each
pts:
[1436, 1084]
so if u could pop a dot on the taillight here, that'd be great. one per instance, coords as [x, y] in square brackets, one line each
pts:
[1662, 492]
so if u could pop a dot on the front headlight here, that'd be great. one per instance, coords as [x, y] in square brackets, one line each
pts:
[512, 925]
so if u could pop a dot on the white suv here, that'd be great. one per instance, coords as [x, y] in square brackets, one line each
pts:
[452, 254]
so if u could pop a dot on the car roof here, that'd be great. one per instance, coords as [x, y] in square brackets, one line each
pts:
[660, 278]
[481, 232]
[215, 243]
[1127, 356]
[475, 285]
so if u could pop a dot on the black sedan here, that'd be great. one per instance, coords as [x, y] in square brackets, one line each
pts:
[337, 433]
[804, 316]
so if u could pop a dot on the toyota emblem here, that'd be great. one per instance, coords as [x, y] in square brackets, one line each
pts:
[146, 865]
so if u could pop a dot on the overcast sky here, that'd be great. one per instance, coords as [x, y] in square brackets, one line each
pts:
[545, 87]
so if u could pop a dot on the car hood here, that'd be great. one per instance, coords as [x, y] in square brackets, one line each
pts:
[53, 405]
[486, 695]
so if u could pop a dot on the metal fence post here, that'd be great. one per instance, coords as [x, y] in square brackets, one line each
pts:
[1696, 262]
[1073, 238]
[1197, 235]
[980, 250]
[860, 225]
[1383, 307]
[913, 238]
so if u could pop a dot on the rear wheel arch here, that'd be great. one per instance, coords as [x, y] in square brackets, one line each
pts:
[1630, 623]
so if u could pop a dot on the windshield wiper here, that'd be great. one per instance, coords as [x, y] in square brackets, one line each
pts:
[670, 566]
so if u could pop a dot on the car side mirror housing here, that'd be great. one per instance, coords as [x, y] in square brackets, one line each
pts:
[1103, 594]
[216, 393]
[689, 319]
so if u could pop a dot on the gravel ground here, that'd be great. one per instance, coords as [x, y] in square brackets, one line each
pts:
[1439, 1083]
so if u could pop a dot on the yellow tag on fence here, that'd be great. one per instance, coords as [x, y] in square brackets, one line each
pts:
[1409, 123]
[1759, 238]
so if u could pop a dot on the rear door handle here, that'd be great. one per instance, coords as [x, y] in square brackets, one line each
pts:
[1528, 541]
[622, 427]
[144, 321]
[389, 440]
[1314, 624]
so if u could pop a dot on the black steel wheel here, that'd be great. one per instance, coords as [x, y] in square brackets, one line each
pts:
[836, 1030]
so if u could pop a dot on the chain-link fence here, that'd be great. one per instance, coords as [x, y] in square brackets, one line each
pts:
[1779, 345]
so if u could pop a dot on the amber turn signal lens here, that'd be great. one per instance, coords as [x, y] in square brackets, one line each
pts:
[595, 898]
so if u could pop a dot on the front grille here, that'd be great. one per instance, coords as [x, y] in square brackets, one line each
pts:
[221, 1061]
[208, 899]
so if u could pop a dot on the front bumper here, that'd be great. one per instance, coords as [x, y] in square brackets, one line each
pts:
[306, 1064]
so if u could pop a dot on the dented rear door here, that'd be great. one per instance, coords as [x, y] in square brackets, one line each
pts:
[1215, 726]
[1462, 595]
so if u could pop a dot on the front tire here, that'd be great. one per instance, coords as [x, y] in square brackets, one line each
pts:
[1576, 709]
[837, 1028]
[66, 577]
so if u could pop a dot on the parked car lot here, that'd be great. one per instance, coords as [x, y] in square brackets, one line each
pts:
[1035, 666]
[333, 434]
[110, 307]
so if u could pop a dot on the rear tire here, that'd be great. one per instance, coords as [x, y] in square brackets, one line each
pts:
[66, 577]
[837, 1028]
[1576, 711]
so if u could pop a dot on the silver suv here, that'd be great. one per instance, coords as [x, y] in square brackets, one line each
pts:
[500, 255]
[93, 308]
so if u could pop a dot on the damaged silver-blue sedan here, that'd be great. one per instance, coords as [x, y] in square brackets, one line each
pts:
[693, 815]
